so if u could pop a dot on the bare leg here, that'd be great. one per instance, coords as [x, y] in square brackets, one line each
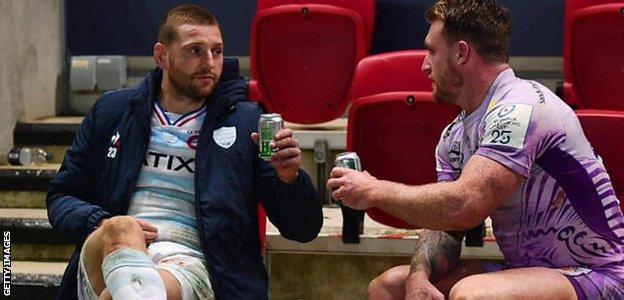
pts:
[174, 290]
[118, 233]
[391, 284]
[521, 283]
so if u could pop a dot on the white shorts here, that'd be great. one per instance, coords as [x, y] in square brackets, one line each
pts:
[190, 271]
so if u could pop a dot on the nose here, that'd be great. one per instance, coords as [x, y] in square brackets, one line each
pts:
[210, 59]
[426, 65]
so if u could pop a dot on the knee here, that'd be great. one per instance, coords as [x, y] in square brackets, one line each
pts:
[121, 225]
[105, 295]
[375, 288]
[122, 231]
[389, 285]
[468, 289]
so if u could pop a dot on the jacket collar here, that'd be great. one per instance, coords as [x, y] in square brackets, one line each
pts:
[230, 90]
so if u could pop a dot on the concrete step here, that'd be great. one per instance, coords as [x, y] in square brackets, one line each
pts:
[46, 131]
[35, 280]
[27, 178]
[22, 199]
[32, 236]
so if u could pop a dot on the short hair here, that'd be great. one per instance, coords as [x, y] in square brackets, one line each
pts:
[484, 23]
[180, 15]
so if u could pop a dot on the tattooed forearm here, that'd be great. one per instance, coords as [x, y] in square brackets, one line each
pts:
[436, 252]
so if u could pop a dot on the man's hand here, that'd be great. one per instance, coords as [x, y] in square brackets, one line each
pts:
[354, 189]
[287, 159]
[150, 231]
[418, 286]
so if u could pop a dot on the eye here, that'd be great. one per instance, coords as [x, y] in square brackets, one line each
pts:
[217, 51]
[196, 50]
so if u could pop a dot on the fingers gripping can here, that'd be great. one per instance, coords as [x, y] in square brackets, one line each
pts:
[352, 220]
[268, 126]
[348, 160]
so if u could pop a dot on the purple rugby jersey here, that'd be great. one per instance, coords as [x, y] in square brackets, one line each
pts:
[565, 215]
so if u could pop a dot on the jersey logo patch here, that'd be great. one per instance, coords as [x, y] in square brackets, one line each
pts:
[225, 136]
[115, 146]
[456, 158]
[507, 126]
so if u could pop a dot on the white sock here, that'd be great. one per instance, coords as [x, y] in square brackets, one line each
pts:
[130, 274]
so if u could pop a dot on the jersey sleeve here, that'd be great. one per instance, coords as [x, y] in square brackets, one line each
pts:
[514, 135]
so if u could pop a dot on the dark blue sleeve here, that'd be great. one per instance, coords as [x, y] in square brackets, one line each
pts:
[295, 208]
[71, 191]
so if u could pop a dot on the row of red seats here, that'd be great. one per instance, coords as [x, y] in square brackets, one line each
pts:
[304, 55]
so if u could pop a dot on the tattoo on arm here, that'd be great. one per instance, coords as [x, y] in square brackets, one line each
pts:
[436, 252]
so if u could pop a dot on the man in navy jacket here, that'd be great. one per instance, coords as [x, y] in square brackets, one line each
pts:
[98, 178]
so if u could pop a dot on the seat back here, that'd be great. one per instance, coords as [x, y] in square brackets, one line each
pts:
[601, 128]
[365, 8]
[390, 72]
[593, 51]
[303, 57]
[395, 134]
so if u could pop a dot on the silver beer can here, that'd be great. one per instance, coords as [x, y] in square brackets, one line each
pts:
[348, 160]
[268, 126]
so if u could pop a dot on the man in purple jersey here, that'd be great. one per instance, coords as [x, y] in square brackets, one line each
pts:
[516, 153]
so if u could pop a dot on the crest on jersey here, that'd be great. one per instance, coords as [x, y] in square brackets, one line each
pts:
[225, 136]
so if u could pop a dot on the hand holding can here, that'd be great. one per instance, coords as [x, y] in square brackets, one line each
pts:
[352, 220]
[278, 146]
[268, 126]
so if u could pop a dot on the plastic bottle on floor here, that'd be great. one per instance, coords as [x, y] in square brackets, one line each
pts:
[27, 156]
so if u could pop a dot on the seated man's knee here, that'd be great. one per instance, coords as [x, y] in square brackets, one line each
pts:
[468, 288]
[122, 232]
[105, 295]
[389, 285]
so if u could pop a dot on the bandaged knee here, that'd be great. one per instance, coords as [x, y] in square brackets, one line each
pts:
[130, 274]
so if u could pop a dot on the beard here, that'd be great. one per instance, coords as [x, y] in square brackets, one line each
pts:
[447, 89]
[184, 84]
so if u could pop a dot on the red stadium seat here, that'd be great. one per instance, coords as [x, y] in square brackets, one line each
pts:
[593, 51]
[394, 125]
[391, 72]
[395, 134]
[303, 55]
[602, 128]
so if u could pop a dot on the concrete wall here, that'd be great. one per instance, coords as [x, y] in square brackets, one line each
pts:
[31, 62]
[326, 277]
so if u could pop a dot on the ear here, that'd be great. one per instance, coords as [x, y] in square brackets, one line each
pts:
[463, 52]
[160, 55]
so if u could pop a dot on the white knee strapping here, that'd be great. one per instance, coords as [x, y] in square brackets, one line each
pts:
[130, 274]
